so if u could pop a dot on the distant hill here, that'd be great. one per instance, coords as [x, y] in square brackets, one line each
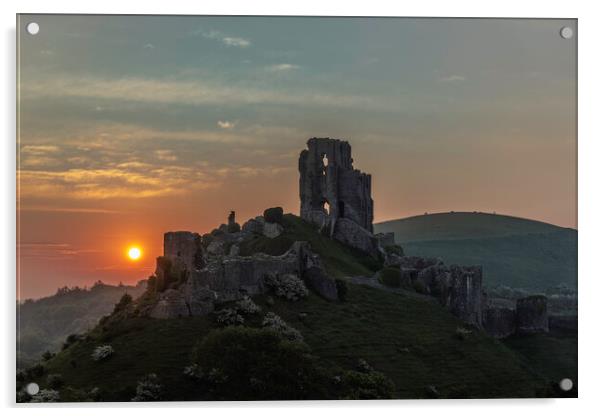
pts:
[43, 324]
[513, 251]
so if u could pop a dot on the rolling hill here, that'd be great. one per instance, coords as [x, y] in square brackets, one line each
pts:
[513, 251]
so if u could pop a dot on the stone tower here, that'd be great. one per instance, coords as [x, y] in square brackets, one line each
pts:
[330, 188]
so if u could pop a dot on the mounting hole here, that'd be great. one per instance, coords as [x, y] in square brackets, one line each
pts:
[566, 384]
[32, 389]
[33, 28]
[566, 32]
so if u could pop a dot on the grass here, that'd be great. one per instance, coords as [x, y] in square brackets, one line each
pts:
[554, 355]
[338, 259]
[411, 339]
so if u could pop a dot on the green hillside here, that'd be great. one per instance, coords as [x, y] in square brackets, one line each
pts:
[513, 251]
[410, 339]
[43, 324]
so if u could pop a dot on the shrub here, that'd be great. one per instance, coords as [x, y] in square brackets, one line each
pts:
[148, 389]
[394, 249]
[286, 286]
[419, 286]
[366, 385]
[277, 324]
[462, 333]
[70, 340]
[123, 303]
[256, 364]
[47, 355]
[36, 370]
[46, 396]
[390, 276]
[193, 372]
[228, 317]
[342, 289]
[247, 306]
[83, 395]
[363, 366]
[102, 352]
[275, 214]
[54, 381]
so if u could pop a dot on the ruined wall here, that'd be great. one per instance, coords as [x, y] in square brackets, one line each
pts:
[499, 322]
[532, 314]
[185, 246]
[329, 186]
[184, 289]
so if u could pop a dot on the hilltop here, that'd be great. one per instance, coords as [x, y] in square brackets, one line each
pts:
[515, 252]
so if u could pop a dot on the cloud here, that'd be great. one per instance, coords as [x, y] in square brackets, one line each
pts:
[120, 181]
[149, 46]
[39, 149]
[282, 67]
[191, 92]
[165, 155]
[51, 251]
[226, 124]
[225, 39]
[75, 210]
[452, 78]
[239, 42]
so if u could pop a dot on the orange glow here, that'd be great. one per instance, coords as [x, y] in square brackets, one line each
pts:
[134, 253]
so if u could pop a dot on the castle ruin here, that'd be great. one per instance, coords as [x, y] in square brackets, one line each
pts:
[336, 196]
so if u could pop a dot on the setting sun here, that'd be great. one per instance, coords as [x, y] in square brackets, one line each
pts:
[134, 253]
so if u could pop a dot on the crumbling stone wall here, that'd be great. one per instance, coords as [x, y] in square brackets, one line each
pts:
[330, 188]
[499, 322]
[458, 288]
[532, 314]
[186, 246]
[185, 289]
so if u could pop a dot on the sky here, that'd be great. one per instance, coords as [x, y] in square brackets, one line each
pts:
[131, 126]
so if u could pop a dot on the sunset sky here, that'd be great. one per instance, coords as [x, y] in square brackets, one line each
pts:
[133, 126]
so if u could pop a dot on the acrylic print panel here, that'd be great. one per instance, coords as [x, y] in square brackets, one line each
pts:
[254, 208]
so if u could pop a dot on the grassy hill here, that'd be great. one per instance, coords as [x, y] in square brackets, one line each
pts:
[410, 339]
[515, 252]
[424, 350]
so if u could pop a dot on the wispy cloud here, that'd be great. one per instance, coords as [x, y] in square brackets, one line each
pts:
[120, 181]
[227, 40]
[74, 210]
[226, 124]
[51, 251]
[165, 155]
[191, 92]
[39, 149]
[282, 67]
[452, 78]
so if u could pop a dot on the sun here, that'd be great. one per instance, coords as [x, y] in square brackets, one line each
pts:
[134, 253]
